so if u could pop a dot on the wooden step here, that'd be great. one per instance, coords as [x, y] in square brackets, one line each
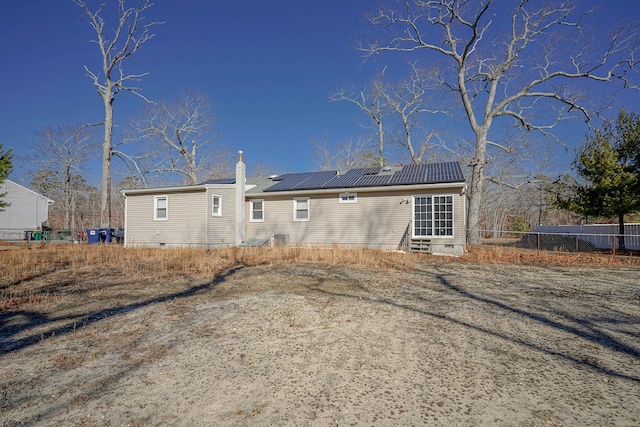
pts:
[420, 245]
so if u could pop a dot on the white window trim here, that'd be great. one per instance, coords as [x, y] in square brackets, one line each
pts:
[295, 209]
[354, 195]
[213, 197]
[155, 208]
[433, 236]
[251, 202]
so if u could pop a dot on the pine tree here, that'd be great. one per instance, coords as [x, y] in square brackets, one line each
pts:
[609, 167]
[5, 169]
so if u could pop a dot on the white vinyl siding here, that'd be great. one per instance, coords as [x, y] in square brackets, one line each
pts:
[348, 198]
[216, 205]
[160, 208]
[379, 219]
[25, 210]
[257, 210]
[301, 209]
[221, 229]
[185, 226]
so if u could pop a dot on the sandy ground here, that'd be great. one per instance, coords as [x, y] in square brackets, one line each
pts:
[317, 345]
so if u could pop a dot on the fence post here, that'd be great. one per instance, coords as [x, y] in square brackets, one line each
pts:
[614, 244]
[538, 243]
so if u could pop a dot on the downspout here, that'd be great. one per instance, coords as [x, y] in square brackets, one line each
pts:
[208, 202]
[126, 229]
[240, 202]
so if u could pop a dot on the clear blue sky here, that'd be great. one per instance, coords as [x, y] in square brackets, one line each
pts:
[268, 66]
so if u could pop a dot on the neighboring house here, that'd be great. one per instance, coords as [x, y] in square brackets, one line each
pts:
[27, 210]
[421, 207]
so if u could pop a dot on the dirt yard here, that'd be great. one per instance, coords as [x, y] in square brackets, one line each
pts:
[312, 344]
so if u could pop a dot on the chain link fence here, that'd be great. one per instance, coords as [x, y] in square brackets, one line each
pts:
[561, 242]
[56, 236]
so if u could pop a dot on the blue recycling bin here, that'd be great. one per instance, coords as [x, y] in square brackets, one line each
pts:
[106, 234]
[93, 236]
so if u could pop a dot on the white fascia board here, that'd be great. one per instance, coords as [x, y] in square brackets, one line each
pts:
[214, 186]
[184, 188]
[385, 188]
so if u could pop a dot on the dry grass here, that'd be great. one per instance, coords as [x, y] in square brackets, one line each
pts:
[24, 264]
[58, 273]
[503, 255]
[90, 278]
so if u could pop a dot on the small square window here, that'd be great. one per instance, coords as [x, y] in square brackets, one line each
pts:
[348, 198]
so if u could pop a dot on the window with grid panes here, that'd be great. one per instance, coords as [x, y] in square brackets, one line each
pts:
[433, 216]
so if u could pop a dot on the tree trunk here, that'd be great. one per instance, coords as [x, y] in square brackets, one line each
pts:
[67, 203]
[475, 191]
[381, 143]
[68, 191]
[105, 196]
[622, 246]
[72, 225]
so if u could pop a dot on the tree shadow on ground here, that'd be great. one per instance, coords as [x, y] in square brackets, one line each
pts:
[34, 319]
[597, 337]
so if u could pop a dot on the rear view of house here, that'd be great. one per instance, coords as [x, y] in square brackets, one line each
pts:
[417, 207]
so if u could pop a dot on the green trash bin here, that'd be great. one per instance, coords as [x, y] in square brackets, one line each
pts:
[32, 235]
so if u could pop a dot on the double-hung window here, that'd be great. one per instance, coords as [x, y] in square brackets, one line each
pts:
[301, 209]
[216, 205]
[257, 210]
[160, 208]
[433, 216]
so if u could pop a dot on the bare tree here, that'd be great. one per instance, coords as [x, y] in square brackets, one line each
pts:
[261, 169]
[342, 156]
[396, 113]
[527, 70]
[407, 102]
[63, 152]
[178, 142]
[115, 46]
[370, 101]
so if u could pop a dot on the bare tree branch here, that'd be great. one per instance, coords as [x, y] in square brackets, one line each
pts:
[130, 33]
[178, 141]
[516, 72]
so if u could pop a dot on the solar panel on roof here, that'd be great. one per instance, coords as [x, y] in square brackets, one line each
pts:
[302, 181]
[373, 180]
[369, 177]
[348, 179]
[315, 180]
[429, 173]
